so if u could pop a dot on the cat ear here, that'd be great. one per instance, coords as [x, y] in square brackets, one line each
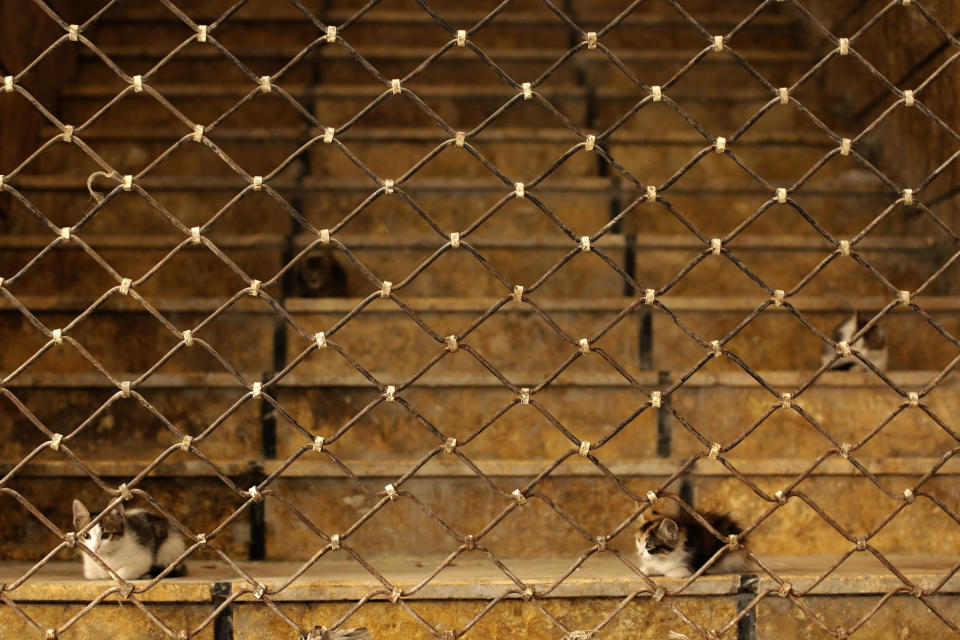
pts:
[113, 521]
[81, 516]
[668, 530]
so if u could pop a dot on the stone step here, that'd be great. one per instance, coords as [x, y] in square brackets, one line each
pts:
[338, 11]
[844, 207]
[342, 496]
[592, 406]
[418, 28]
[519, 154]
[782, 260]
[390, 343]
[452, 599]
[457, 66]
[594, 108]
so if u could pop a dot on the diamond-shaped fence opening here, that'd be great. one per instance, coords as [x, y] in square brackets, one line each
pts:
[409, 315]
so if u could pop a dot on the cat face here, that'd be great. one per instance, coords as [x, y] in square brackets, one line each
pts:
[658, 536]
[104, 536]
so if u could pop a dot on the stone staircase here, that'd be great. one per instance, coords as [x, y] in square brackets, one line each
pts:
[603, 397]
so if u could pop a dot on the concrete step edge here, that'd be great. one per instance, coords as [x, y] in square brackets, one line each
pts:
[685, 242]
[679, 304]
[202, 91]
[434, 134]
[907, 380]
[475, 577]
[395, 53]
[418, 17]
[442, 185]
[446, 467]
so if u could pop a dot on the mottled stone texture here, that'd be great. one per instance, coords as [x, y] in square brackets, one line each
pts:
[901, 618]
[115, 621]
[507, 619]
[389, 430]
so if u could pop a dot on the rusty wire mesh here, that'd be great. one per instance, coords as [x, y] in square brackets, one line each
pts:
[513, 293]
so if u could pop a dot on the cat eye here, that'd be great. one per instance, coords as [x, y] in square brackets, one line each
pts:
[86, 536]
[106, 536]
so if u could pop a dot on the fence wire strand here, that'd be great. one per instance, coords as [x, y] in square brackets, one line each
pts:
[192, 337]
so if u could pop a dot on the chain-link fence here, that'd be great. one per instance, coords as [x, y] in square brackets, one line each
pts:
[531, 327]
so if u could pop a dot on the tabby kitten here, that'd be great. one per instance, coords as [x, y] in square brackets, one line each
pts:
[677, 546]
[134, 543]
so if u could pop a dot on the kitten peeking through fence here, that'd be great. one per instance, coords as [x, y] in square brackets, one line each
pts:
[872, 345]
[677, 546]
[134, 543]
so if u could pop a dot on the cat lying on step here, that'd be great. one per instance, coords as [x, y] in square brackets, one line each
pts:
[134, 543]
[677, 546]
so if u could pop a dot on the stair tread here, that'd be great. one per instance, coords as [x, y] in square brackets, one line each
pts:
[473, 576]
[720, 304]
[95, 90]
[465, 18]
[435, 134]
[395, 241]
[759, 56]
[779, 378]
[447, 467]
[575, 184]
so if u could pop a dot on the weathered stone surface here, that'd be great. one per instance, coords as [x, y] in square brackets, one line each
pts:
[467, 504]
[120, 421]
[900, 617]
[514, 338]
[126, 342]
[848, 405]
[390, 431]
[122, 622]
[324, 595]
[509, 618]
[854, 503]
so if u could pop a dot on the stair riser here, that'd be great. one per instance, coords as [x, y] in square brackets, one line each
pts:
[123, 342]
[521, 162]
[714, 213]
[467, 504]
[584, 9]
[776, 618]
[393, 346]
[462, 112]
[902, 615]
[201, 504]
[508, 618]
[389, 431]
[850, 413]
[419, 31]
[454, 274]
[125, 622]
[254, 621]
[108, 437]
[459, 274]
[719, 71]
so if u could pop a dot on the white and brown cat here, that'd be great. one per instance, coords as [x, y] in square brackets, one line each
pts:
[134, 543]
[872, 345]
[677, 546]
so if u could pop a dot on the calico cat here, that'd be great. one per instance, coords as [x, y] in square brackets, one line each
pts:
[872, 345]
[677, 546]
[134, 543]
